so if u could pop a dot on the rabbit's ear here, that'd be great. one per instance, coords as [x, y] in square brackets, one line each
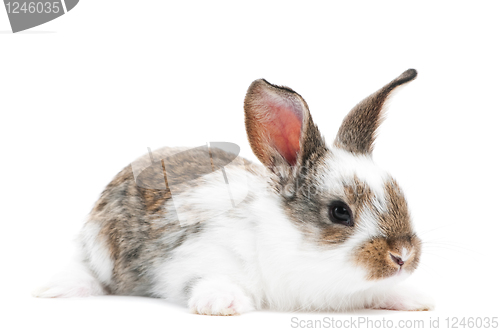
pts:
[358, 130]
[279, 126]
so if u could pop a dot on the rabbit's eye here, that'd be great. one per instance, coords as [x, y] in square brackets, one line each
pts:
[340, 213]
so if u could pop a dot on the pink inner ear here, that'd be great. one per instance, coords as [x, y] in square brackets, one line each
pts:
[284, 130]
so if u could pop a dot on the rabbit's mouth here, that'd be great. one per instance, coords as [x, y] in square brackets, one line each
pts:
[399, 271]
[401, 261]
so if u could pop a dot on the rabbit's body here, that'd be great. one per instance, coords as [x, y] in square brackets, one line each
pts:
[142, 238]
[278, 248]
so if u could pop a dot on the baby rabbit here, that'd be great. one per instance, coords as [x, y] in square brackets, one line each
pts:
[318, 227]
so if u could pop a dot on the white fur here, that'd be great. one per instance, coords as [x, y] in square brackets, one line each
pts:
[97, 253]
[345, 165]
[405, 254]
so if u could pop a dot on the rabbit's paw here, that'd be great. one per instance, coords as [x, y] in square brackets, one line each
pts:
[406, 301]
[218, 298]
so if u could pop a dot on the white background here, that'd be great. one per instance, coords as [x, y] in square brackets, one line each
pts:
[84, 95]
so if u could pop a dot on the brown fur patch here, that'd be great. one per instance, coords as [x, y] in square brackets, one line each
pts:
[374, 255]
[395, 223]
[358, 196]
[334, 234]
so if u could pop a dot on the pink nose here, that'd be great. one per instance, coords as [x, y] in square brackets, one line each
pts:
[397, 260]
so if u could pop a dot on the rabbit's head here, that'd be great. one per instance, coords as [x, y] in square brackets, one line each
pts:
[335, 194]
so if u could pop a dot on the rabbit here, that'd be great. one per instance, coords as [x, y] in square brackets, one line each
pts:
[316, 227]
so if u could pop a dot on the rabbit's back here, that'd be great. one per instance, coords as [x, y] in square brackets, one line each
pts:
[134, 226]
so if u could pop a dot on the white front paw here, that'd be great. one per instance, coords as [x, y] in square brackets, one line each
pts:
[218, 298]
[406, 300]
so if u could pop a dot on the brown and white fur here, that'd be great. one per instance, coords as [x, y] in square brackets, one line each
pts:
[278, 248]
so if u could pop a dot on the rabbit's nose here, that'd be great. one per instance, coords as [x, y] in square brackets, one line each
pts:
[398, 260]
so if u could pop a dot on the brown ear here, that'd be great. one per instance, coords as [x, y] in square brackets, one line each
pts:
[279, 127]
[358, 130]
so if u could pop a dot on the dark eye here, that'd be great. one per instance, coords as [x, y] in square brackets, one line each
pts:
[340, 213]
